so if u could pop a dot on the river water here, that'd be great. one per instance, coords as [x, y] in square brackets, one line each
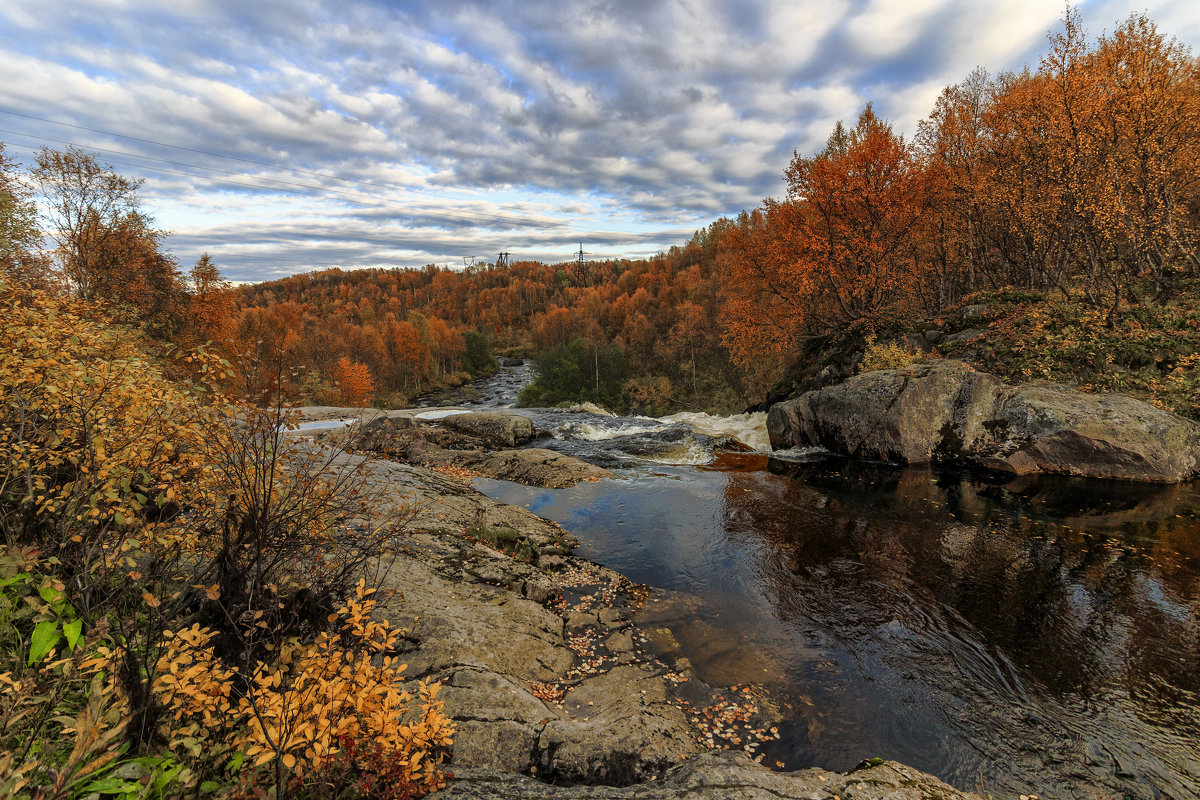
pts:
[1015, 637]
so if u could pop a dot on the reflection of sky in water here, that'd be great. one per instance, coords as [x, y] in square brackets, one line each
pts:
[936, 622]
[1157, 595]
[657, 529]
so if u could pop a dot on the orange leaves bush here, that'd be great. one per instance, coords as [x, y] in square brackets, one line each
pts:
[90, 427]
[312, 696]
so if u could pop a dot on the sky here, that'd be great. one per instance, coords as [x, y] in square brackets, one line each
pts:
[282, 137]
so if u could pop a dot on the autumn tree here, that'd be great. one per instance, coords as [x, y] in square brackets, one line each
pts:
[953, 143]
[106, 247]
[1142, 134]
[209, 303]
[354, 381]
[21, 259]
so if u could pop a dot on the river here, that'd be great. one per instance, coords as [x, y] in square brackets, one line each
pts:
[1013, 637]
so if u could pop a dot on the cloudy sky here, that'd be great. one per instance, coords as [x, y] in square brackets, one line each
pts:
[287, 136]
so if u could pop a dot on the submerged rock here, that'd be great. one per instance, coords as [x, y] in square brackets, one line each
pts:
[945, 412]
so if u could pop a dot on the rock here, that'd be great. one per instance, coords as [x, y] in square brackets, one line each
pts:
[627, 730]
[498, 720]
[590, 408]
[717, 776]
[512, 361]
[945, 412]
[970, 334]
[535, 466]
[387, 435]
[914, 342]
[480, 626]
[493, 429]
[973, 311]
[462, 441]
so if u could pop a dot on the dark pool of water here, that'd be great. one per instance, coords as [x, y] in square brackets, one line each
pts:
[1029, 637]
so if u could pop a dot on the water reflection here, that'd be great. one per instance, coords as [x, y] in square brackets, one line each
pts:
[1030, 636]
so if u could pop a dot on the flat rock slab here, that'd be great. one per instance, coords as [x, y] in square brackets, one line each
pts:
[718, 776]
[535, 466]
[944, 411]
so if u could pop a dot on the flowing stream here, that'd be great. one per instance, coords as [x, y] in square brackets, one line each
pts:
[1019, 637]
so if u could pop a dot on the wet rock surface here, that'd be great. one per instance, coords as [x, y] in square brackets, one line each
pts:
[545, 669]
[944, 411]
[717, 776]
[478, 443]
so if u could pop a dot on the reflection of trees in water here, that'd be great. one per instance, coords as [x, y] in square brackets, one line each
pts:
[1047, 595]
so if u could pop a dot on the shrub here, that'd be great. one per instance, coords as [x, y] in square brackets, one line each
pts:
[887, 355]
[92, 432]
[298, 709]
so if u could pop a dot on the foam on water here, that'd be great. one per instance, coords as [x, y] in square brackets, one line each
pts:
[749, 429]
[801, 454]
[602, 433]
[440, 413]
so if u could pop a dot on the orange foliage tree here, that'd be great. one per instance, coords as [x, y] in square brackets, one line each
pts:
[354, 382]
[844, 247]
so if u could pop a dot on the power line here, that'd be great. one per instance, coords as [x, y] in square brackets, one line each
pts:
[296, 188]
[462, 215]
[324, 252]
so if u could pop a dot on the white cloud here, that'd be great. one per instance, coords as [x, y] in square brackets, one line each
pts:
[622, 120]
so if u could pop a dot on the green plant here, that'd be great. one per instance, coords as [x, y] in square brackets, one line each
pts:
[506, 540]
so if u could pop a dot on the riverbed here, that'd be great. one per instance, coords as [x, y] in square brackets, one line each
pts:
[1020, 637]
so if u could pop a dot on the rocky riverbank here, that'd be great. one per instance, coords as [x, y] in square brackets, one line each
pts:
[945, 412]
[556, 689]
[463, 443]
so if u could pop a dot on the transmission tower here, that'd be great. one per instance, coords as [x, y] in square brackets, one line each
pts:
[502, 260]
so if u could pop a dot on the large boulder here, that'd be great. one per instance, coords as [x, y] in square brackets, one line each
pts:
[493, 428]
[945, 412]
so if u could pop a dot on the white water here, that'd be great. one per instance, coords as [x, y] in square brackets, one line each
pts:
[749, 429]
[600, 433]
[440, 413]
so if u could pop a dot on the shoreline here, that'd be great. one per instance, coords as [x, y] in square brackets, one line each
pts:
[547, 673]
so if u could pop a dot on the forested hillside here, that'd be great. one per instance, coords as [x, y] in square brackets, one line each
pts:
[638, 334]
[1075, 183]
